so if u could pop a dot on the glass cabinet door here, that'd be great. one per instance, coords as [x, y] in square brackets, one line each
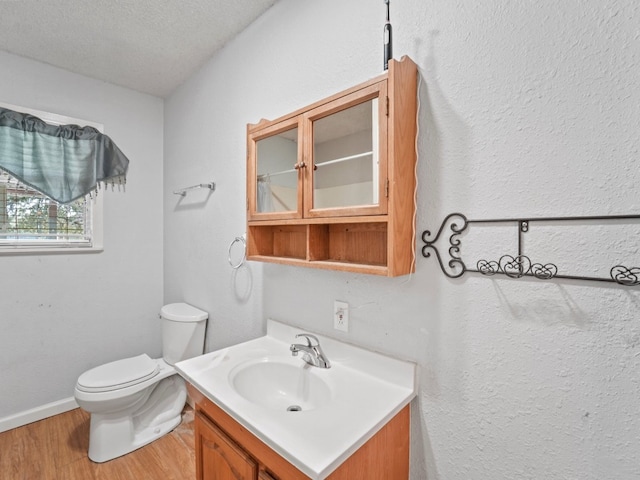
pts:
[347, 148]
[275, 186]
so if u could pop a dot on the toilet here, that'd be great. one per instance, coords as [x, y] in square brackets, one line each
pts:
[137, 400]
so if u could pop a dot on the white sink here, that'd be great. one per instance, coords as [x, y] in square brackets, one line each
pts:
[335, 410]
[281, 383]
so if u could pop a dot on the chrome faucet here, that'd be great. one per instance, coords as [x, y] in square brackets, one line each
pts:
[313, 354]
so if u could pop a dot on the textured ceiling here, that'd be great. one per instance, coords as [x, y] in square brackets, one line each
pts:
[148, 45]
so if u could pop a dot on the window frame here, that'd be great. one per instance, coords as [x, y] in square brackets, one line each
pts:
[95, 204]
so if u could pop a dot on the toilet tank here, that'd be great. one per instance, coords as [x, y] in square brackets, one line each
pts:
[183, 330]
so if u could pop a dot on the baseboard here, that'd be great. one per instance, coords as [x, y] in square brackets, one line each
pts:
[38, 413]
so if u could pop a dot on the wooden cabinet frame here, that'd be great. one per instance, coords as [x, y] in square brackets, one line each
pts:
[373, 239]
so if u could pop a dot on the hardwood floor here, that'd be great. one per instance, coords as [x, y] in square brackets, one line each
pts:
[56, 449]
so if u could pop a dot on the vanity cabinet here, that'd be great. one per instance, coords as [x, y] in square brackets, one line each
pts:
[332, 185]
[219, 456]
[227, 450]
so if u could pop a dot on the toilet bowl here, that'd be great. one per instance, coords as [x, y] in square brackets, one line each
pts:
[137, 400]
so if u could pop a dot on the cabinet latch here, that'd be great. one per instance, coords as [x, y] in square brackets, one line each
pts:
[387, 105]
[386, 189]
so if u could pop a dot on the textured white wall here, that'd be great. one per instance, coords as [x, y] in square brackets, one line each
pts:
[63, 314]
[528, 108]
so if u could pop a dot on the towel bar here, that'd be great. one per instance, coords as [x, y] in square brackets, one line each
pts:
[183, 191]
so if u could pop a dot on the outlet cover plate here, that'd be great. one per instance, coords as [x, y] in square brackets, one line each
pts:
[341, 316]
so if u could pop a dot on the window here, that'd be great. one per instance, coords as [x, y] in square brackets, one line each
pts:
[30, 221]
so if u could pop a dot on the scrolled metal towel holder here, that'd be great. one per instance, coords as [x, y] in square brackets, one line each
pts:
[519, 265]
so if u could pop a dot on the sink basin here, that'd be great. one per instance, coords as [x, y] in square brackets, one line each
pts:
[280, 384]
[313, 417]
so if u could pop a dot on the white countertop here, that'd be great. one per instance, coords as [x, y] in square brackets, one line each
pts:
[368, 389]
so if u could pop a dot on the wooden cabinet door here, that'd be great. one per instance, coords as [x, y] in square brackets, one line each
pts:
[275, 168]
[266, 476]
[345, 150]
[218, 457]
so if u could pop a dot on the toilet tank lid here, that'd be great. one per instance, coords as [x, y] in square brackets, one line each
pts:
[183, 312]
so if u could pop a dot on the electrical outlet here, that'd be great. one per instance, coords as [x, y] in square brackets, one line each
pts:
[341, 316]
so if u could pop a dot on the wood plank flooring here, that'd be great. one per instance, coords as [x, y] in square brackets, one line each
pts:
[56, 449]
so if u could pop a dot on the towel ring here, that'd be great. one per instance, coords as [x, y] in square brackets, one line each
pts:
[244, 252]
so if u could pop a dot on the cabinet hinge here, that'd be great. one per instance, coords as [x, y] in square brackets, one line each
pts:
[386, 189]
[387, 105]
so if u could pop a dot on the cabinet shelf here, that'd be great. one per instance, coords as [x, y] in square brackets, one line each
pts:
[344, 159]
[324, 264]
[315, 221]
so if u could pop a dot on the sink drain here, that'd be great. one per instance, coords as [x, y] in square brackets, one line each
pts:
[294, 408]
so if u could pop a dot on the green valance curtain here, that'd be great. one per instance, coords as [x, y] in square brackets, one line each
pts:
[64, 162]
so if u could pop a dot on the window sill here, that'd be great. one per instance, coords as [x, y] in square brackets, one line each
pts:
[48, 250]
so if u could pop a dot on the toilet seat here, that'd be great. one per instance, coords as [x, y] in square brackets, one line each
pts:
[119, 374]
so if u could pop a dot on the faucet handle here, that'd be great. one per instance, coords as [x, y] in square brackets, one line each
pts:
[309, 337]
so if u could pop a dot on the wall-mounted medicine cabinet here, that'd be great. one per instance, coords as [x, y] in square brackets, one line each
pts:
[331, 185]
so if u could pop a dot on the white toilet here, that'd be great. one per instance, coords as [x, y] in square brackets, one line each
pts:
[137, 400]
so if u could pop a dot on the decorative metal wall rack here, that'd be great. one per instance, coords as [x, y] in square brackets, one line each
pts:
[518, 265]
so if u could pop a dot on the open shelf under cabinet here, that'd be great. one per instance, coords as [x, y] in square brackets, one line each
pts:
[348, 246]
